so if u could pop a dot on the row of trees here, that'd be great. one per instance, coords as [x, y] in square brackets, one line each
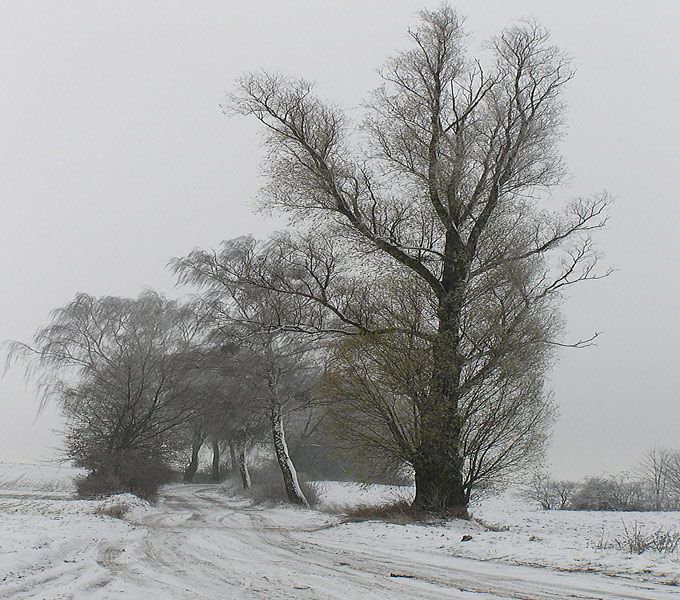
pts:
[141, 381]
[654, 484]
[415, 300]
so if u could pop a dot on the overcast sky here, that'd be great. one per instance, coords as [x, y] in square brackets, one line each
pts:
[115, 156]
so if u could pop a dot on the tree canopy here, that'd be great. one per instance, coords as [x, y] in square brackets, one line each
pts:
[430, 219]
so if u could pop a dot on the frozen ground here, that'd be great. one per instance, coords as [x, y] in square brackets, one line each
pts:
[207, 542]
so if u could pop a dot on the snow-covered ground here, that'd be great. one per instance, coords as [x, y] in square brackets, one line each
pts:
[511, 529]
[50, 479]
[203, 541]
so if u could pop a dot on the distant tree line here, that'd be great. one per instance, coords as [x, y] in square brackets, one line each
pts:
[653, 485]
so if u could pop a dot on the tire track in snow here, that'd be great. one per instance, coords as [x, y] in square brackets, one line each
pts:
[285, 561]
[201, 542]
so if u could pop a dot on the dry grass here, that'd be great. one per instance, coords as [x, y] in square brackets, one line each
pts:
[495, 527]
[636, 541]
[275, 492]
[399, 511]
[117, 510]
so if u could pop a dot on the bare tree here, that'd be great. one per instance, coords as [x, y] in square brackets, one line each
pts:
[673, 478]
[214, 404]
[197, 439]
[658, 469]
[222, 398]
[445, 186]
[116, 367]
[551, 494]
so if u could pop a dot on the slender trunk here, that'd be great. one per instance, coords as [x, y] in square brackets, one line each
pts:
[232, 456]
[243, 467]
[216, 461]
[290, 479]
[439, 460]
[192, 467]
[115, 463]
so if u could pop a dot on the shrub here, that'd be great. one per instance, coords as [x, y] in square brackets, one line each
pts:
[551, 494]
[606, 492]
[136, 472]
[98, 485]
[313, 491]
[636, 541]
[610, 493]
[272, 491]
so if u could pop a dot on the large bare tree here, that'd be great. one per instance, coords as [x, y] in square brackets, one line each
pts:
[446, 187]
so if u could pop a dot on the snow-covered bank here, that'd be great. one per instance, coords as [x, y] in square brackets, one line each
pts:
[511, 529]
[337, 496]
[206, 541]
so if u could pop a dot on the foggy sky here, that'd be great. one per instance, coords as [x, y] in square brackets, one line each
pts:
[115, 156]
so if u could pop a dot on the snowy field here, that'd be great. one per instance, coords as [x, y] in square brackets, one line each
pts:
[205, 542]
[37, 480]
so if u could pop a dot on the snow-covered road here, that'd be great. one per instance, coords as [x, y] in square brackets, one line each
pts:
[200, 542]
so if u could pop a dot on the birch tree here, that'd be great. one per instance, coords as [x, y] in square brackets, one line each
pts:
[272, 362]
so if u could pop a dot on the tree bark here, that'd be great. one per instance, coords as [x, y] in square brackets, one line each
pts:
[439, 462]
[290, 479]
[216, 461]
[243, 468]
[192, 467]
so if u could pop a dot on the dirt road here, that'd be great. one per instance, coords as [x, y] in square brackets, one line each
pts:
[202, 543]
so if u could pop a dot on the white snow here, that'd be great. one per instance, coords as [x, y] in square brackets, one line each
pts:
[339, 495]
[52, 479]
[564, 540]
[206, 541]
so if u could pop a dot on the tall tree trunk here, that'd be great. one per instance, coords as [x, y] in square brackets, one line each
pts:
[192, 467]
[216, 461]
[243, 467]
[439, 460]
[438, 463]
[232, 456]
[290, 479]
